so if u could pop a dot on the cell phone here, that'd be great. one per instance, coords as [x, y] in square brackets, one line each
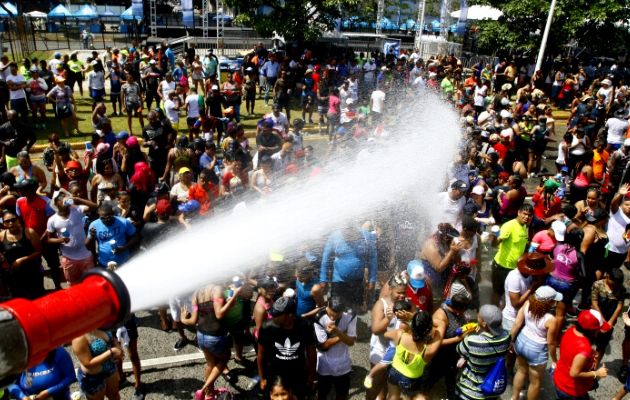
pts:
[88, 145]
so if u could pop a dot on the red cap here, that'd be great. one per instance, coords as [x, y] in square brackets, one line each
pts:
[163, 207]
[592, 320]
[72, 164]
[132, 141]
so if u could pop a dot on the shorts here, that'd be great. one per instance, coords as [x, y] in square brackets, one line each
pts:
[97, 94]
[175, 305]
[73, 270]
[499, 274]
[132, 327]
[322, 110]
[217, 345]
[133, 108]
[565, 396]
[535, 353]
[190, 121]
[91, 384]
[114, 97]
[341, 383]
[408, 386]
[388, 357]
[626, 385]
[568, 289]
[37, 102]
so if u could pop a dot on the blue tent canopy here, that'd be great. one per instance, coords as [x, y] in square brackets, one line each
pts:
[435, 25]
[107, 12]
[127, 15]
[86, 12]
[59, 12]
[9, 7]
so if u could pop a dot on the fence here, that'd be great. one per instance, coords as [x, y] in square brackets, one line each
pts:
[228, 47]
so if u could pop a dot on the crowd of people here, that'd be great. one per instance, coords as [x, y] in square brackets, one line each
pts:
[429, 320]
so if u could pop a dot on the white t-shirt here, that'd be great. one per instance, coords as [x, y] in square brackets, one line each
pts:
[514, 283]
[75, 249]
[52, 64]
[17, 79]
[166, 88]
[336, 360]
[378, 101]
[451, 209]
[616, 130]
[480, 95]
[171, 112]
[616, 228]
[192, 105]
[180, 192]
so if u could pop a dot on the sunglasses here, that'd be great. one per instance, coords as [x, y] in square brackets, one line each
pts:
[9, 221]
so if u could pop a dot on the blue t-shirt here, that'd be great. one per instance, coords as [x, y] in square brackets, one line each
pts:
[119, 232]
[55, 373]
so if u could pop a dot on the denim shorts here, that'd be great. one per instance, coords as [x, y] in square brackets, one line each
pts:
[534, 353]
[217, 345]
[92, 384]
[408, 386]
[568, 289]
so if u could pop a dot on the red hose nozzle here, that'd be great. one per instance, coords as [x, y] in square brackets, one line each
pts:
[30, 329]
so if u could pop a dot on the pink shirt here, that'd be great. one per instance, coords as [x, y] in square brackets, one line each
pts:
[333, 104]
[546, 243]
[565, 262]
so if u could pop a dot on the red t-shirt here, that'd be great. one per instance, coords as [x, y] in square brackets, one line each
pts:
[543, 211]
[570, 346]
[501, 149]
[34, 213]
[421, 298]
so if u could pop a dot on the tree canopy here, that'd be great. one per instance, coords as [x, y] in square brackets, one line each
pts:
[600, 26]
[293, 19]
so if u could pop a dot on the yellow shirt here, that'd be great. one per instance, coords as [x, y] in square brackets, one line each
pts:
[75, 66]
[514, 239]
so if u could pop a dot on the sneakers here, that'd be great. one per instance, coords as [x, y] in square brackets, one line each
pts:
[199, 395]
[180, 344]
[138, 394]
[367, 383]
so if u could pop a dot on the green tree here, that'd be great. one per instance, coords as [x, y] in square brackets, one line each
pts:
[293, 19]
[592, 24]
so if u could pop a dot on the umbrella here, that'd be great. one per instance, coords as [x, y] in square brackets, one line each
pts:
[86, 12]
[9, 7]
[59, 12]
[107, 12]
[36, 14]
[480, 12]
[435, 25]
[127, 15]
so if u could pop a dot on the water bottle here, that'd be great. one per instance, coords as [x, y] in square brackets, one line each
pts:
[112, 243]
[68, 202]
[65, 233]
[253, 383]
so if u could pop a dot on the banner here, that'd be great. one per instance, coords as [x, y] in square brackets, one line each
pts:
[137, 8]
[187, 14]
[391, 45]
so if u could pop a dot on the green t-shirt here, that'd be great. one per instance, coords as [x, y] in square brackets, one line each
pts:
[75, 66]
[235, 314]
[514, 239]
[447, 86]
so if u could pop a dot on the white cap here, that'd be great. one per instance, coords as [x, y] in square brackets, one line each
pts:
[350, 101]
[559, 229]
[215, 87]
[152, 61]
[606, 82]
[479, 190]
[505, 114]
[546, 293]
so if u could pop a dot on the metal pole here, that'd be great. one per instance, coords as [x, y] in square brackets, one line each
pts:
[420, 26]
[216, 14]
[543, 43]
[379, 15]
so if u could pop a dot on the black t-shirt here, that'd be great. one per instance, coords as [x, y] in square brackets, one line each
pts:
[285, 349]
[16, 135]
[267, 140]
[153, 231]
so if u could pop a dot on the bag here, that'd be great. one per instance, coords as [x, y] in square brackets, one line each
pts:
[495, 381]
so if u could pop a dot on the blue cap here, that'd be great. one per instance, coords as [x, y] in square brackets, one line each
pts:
[415, 270]
[123, 135]
[564, 169]
[57, 55]
[132, 49]
[189, 206]
[341, 131]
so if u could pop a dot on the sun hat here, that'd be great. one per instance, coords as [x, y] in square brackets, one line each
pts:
[415, 270]
[592, 320]
[559, 229]
[606, 82]
[546, 293]
[492, 316]
[534, 264]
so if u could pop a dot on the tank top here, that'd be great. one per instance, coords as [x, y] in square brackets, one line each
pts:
[305, 301]
[378, 343]
[22, 248]
[207, 322]
[580, 148]
[22, 175]
[408, 363]
[261, 300]
[560, 159]
[235, 314]
[454, 321]
[99, 346]
[535, 329]
[181, 159]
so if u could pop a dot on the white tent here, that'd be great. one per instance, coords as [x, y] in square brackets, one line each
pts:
[480, 12]
[36, 14]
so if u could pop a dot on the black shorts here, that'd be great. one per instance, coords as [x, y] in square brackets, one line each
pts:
[499, 274]
[190, 122]
[133, 109]
[132, 328]
[325, 383]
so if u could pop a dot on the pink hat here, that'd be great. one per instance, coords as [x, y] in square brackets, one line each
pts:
[102, 148]
[132, 141]
[479, 190]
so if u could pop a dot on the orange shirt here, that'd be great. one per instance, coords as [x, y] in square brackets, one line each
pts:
[600, 160]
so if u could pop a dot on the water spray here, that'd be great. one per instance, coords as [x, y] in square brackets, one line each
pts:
[30, 329]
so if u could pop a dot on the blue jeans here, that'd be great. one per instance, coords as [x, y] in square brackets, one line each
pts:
[269, 82]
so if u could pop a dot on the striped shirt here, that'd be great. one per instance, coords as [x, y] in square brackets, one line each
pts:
[481, 352]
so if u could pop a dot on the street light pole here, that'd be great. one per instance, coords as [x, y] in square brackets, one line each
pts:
[420, 26]
[543, 43]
